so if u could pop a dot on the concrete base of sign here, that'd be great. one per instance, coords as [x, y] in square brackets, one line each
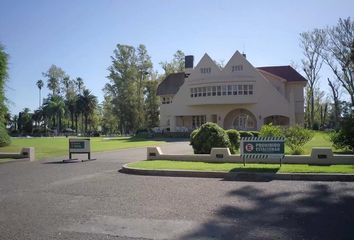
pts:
[319, 156]
[27, 153]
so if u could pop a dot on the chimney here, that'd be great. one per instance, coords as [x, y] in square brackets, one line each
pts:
[188, 64]
[244, 55]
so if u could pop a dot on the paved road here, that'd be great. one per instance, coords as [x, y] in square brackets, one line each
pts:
[92, 200]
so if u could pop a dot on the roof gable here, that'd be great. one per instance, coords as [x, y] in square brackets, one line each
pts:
[286, 72]
[237, 65]
[205, 68]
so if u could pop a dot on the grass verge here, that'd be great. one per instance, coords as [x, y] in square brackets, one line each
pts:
[47, 147]
[238, 167]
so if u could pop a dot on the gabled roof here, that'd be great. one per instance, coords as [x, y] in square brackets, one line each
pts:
[286, 72]
[171, 84]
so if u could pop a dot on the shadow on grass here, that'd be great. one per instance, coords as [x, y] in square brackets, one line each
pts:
[316, 211]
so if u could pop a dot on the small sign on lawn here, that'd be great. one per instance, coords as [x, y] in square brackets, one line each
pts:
[79, 146]
[262, 147]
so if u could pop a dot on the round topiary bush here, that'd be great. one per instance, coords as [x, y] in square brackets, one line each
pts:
[209, 136]
[4, 137]
[234, 137]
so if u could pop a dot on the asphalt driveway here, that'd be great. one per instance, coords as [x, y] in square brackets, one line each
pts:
[92, 200]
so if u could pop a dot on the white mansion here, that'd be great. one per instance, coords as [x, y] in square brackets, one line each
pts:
[237, 96]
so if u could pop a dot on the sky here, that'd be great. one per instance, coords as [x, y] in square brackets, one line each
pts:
[80, 35]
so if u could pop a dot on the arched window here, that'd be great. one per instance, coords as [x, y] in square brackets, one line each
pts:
[244, 122]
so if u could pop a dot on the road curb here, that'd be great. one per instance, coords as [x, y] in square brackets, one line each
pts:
[241, 176]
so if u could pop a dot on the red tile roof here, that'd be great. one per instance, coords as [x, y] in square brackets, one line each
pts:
[286, 72]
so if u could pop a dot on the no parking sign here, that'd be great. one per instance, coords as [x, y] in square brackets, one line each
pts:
[262, 147]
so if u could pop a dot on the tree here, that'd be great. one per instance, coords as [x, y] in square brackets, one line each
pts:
[123, 75]
[80, 84]
[56, 107]
[25, 121]
[144, 66]
[151, 104]
[337, 54]
[40, 85]
[312, 46]
[109, 120]
[334, 86]
[89, 104]
[176, 65]
[352, 53]
[54, 76]
[4, 137]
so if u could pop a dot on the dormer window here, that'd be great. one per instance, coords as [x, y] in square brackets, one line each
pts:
[205, 70]
[237, 68]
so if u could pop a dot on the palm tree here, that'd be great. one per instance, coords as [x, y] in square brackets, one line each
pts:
[71, 106]
[40, 84]
[88, 105]
[56, 106]
[80, 84]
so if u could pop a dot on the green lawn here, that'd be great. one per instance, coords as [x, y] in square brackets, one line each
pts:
[320, 139]
[234, 167]
[58, 146]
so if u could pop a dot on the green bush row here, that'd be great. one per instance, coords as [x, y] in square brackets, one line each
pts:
[210, 135]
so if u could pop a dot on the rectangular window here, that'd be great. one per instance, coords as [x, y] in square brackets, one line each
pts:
[229, 89]
[214, 90]
[192, 92]
[250, 89]
[245, 89]
[224, 90]
[240, 91]
[199, 92]
[204, 91]
[209, 91]
[234, 89]
[195, 92]
[205, 70]
[219, 90]
[237, 68]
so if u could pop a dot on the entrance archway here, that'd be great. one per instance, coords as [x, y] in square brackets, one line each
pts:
[240, 119]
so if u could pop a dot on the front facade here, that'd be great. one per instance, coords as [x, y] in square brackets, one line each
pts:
[238, 96]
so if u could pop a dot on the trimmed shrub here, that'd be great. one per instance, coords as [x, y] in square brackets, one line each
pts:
[193, 133]
[5, 140]
[234, 137]
[209, 136]
[344, 138]
[268, 130]
[296, 137]
[245, 134]
[255, 133]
